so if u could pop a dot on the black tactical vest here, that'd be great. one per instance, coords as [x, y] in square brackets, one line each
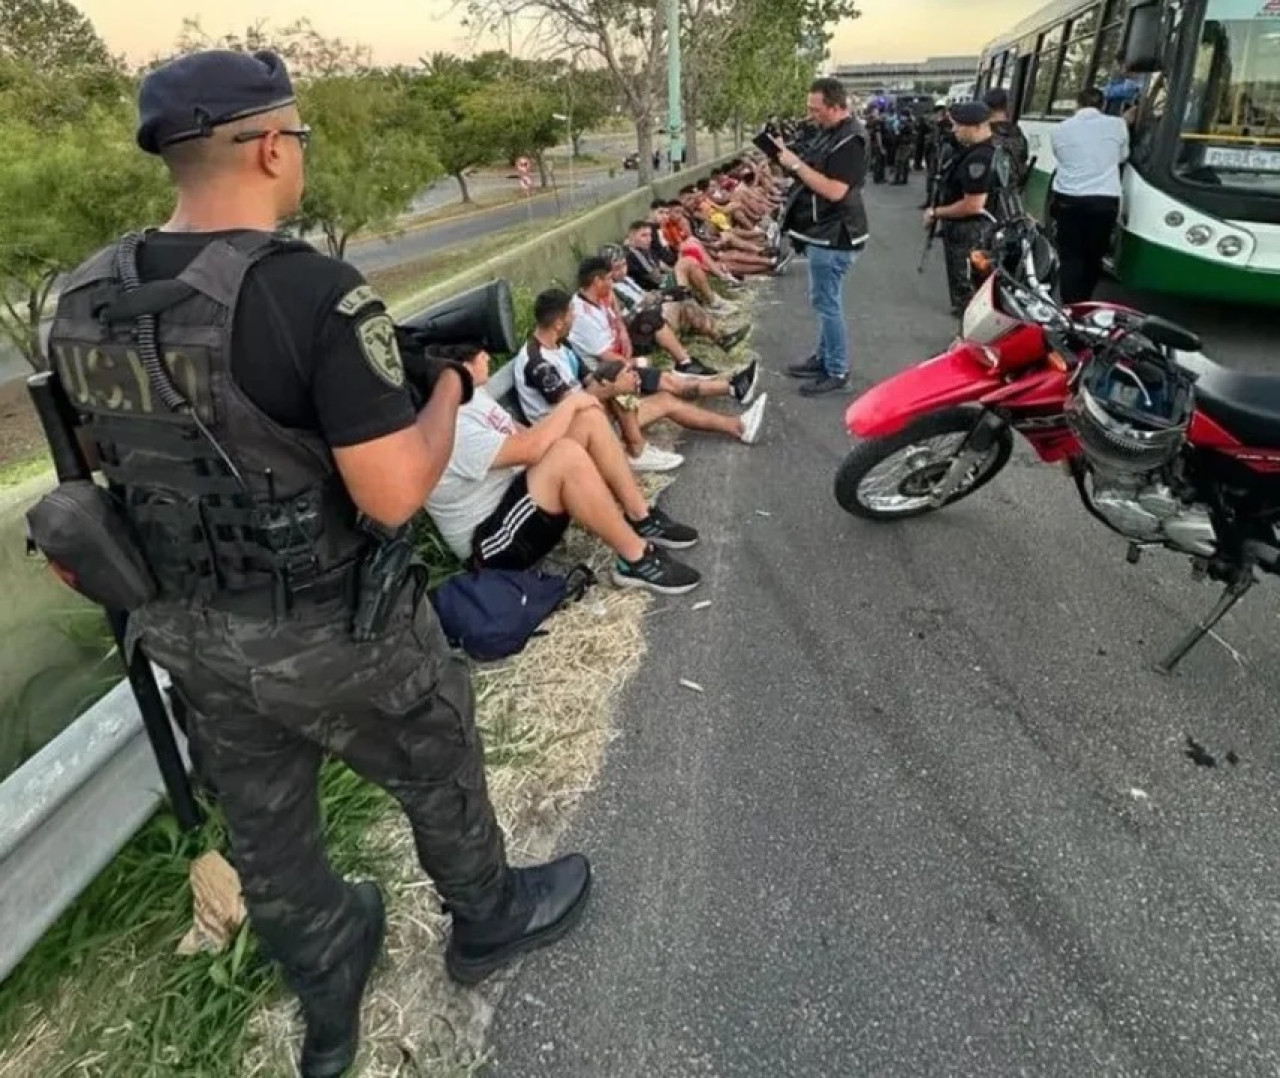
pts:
[286, 525]
[812, 219]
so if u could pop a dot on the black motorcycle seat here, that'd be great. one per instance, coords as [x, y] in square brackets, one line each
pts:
[1247, 405]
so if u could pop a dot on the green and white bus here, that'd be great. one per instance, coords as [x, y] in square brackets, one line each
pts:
[1201, 209]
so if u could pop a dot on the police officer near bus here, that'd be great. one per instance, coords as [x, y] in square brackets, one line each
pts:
[1008, 136]
[266, 468]
[940, 145]
[961, 210]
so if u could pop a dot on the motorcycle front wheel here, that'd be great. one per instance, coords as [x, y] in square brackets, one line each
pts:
[894, 478]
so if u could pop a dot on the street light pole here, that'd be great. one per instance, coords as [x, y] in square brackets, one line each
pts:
[675, 121]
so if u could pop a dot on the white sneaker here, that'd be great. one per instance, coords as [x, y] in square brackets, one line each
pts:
[653, 459]
[753, 420]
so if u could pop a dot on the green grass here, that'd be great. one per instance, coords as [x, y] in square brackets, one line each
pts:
[16, 472]
[106, 974]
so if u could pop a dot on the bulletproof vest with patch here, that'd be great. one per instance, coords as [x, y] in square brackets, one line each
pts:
[221, 497]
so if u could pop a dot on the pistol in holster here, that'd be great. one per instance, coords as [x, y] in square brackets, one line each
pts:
[385, 570]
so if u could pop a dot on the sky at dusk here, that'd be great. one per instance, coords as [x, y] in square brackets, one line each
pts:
[401, 31]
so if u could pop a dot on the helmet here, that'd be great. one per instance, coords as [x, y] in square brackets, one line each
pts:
[1131, 407]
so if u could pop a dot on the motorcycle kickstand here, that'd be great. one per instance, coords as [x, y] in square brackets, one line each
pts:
[1232, 594]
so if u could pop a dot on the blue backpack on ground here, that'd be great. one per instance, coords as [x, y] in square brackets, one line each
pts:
[493, 613]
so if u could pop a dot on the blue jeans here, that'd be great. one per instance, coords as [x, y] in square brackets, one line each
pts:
[827, 269]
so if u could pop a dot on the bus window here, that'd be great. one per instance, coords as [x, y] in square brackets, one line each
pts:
[1077, 62]
[1041, 96]
[1231, 121]
[1007, 67]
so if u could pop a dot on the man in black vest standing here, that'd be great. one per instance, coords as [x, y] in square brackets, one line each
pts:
[826, 216]
[266, 466]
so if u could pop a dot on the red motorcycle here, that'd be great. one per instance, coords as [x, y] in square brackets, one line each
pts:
[1165, 447]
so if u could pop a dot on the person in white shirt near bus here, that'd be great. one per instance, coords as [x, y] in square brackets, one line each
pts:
[1089, 149]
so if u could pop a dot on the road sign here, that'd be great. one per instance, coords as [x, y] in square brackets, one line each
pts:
[522, 166]
[526, 181]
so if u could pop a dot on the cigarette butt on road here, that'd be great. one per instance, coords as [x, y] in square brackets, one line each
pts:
[693, 686]
[763, 513]
[702, 605]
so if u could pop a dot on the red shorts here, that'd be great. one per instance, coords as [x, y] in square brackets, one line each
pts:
[694, 252]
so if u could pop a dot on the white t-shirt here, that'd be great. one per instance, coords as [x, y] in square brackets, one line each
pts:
[471, 488]
[541, 386]
[593, 331]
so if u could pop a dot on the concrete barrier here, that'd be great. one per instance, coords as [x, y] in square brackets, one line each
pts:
[70, 807]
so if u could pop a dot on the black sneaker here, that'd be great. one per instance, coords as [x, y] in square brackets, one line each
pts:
[661, 530]
[825, 384]
[695, 369]
[657, 571]
[744, 384]
[543, 904]
[810, 368]
[331, 1003]
[729, 341]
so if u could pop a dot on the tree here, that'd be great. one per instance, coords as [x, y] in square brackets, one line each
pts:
[51, 35]
[516, 116]
[588, 96]
[766, 62]
[372, 155]
[463, 138]
[64, 194]
[374, 143]
[627, 36]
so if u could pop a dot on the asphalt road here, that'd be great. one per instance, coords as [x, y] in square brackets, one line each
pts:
[934, 813]
[371, 255]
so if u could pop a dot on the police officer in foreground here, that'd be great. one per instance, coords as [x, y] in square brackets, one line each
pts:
[264, 469]
[966, 186]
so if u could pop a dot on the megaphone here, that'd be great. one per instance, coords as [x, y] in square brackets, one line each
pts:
[484, 316]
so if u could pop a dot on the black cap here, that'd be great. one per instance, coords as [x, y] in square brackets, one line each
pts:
[970, 114]
[996, 98]
[190, 96]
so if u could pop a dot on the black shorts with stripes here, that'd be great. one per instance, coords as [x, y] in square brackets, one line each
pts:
[517, 535]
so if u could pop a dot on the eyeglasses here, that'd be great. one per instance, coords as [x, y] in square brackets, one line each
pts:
[302, 134]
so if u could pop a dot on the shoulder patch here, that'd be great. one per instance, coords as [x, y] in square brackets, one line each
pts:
[977, 169]
[377, 337]
[357, 300]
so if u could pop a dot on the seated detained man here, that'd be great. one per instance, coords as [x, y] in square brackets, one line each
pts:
[509, 493]
[647, 310]
[598, 336]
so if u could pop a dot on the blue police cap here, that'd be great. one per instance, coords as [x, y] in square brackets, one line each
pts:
[189, 96]
[970, 114]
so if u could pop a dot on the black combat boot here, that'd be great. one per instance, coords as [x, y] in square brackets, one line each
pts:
[331, 1002]
[543, 903]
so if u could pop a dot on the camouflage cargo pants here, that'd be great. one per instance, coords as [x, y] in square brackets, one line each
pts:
[902, 162]
[268, 699]
[959, 240]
